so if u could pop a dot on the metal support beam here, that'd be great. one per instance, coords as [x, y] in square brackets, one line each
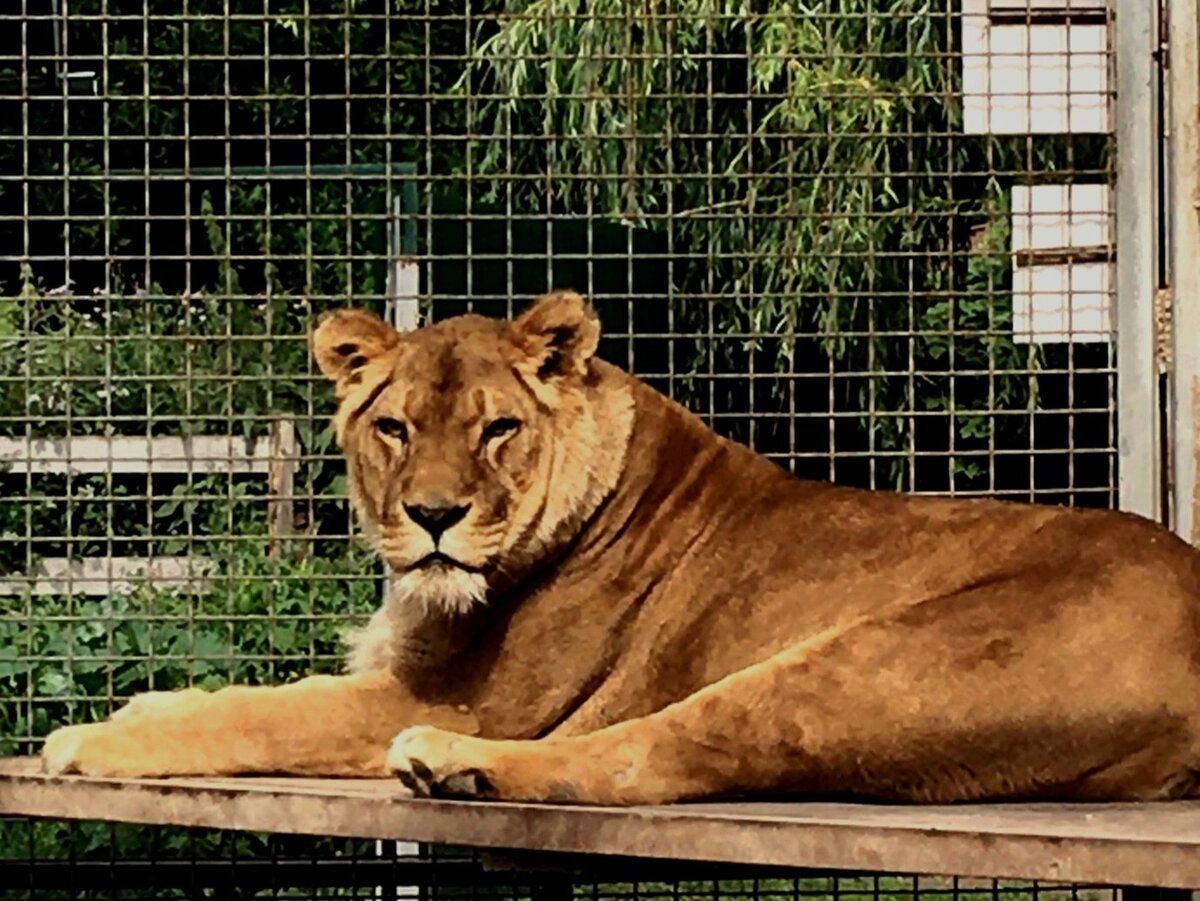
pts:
[1138, 421]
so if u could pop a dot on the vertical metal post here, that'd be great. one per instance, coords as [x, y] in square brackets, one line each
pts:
[1139, 447]
[1183, 73]
[403, 297]
[281, 483]
[404, 272]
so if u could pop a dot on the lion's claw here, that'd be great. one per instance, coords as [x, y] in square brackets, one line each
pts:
[425, 761]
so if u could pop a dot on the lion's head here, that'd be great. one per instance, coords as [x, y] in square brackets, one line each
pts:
[475, 448]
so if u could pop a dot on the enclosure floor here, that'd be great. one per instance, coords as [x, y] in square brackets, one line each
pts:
[1120, 844]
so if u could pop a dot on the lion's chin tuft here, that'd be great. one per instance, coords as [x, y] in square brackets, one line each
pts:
[440, 588]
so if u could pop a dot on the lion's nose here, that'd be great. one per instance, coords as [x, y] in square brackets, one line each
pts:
[436, 518]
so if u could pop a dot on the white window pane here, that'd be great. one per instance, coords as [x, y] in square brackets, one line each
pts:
[1034, 78]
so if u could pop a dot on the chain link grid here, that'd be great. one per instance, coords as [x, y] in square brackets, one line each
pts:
[827, 227]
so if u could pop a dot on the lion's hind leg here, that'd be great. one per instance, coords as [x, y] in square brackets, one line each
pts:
[909, 709]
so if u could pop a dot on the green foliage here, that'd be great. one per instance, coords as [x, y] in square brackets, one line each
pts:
[164, 365]
[244, 233]
[262, 620]
[837, 199]
[196, 365]
[130, 340]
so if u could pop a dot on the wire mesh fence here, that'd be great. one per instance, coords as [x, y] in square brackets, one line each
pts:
[872, 239]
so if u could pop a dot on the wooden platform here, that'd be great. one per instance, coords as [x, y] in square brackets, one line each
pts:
[1138, 845]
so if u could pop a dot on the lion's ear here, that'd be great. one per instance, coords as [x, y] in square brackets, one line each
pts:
[346, 341]
[559, 334]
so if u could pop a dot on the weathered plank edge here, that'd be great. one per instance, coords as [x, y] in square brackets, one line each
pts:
[679, 832]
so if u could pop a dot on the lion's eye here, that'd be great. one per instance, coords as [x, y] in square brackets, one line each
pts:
[498, 428]
[392, 428]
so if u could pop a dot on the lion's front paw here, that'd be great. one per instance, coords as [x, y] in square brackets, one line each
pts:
[432, 762]
[86, 750]
[152, 735]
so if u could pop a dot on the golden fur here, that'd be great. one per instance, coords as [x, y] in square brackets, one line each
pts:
[597, 599]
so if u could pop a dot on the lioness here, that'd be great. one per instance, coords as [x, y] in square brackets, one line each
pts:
[597, 599]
